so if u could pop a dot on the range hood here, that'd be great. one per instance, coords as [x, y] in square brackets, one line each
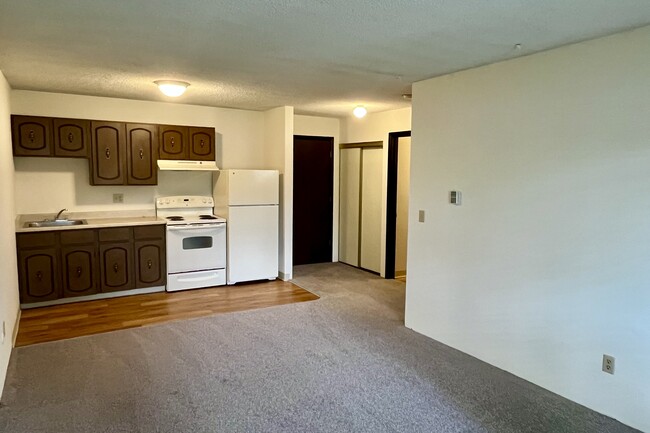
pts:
[183, 165]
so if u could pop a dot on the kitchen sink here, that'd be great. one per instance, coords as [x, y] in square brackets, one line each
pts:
[55, 223]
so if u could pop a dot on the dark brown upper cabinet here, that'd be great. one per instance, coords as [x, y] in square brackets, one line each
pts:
[173, 142]
[108, 145]
[186, 143]
[141, 155]
[201, 144]
[71, 138]
[31, 136]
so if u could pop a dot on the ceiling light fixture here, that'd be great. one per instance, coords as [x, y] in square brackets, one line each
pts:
[172, 88]
[359, 111]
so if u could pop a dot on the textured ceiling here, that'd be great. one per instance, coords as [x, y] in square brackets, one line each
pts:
[322, 57]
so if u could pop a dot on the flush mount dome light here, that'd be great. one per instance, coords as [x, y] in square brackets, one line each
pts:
[172, 88]
[360, 111]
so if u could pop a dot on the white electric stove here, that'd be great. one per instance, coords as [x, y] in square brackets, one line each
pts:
[196, 242]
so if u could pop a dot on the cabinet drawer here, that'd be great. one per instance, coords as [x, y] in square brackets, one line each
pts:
[77, 237]
[149, 232]
[35, 240]
[115, 234]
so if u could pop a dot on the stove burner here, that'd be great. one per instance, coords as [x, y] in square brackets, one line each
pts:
[207, 217]
[175, 218]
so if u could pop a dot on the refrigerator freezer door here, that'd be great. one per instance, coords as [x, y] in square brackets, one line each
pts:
[252, 243]
[253, 187]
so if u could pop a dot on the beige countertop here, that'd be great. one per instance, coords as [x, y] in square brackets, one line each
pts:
[93, 219]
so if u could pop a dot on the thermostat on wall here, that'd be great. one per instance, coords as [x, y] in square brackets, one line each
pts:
[455, 197]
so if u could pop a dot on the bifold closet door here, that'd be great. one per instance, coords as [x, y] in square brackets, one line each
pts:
[370, 251]
[360, 207]
[349, 209]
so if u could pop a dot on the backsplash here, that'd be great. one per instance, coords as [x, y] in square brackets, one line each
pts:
[46, 185]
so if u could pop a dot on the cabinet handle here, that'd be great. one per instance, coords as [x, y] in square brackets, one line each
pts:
[115, 267]
[149, 264]
[202, 143]
[141, 154]
[108, 153]
[39, 275]
[70, 137]
[172, 142]
[78, 271]
[32, 136]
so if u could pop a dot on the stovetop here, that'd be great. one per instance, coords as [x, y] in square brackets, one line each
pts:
[183, 210]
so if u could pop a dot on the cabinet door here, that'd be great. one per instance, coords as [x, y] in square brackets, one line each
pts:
[142, 146]
[31, 136]
[71, 137]
[202, 144]
[150, 263]
[79, 270]
[173, 142]
[108, 147]
[116, 262]
[39, 275]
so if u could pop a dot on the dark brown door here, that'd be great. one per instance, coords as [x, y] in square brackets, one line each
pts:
[313, 179]
[141, 145]
[116, 267]
[150, 263]
[71, 138]
[79, 270]
[173, 142]
[31, 136]
[108, 147]
[201, 144]
[39, 275]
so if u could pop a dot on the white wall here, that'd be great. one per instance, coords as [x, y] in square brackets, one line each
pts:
[9, 307]
[375, 127]
[278, 155]
[544, 267]
[48, 184]
[325, 127]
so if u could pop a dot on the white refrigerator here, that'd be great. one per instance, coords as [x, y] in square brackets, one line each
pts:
[249, 199]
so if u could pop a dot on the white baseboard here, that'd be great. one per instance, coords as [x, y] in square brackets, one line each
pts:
[283, 276]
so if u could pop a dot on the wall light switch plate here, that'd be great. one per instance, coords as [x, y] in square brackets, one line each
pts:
[3, 333]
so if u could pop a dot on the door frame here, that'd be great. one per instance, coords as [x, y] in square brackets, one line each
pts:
[391, 202]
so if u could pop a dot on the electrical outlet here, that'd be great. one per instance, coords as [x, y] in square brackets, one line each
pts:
[118, 198]
[421, 216]
[609, 362]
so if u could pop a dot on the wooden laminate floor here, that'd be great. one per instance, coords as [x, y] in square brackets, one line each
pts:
[93, 317]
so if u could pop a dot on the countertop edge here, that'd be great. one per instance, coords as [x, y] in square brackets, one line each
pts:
[92, 223]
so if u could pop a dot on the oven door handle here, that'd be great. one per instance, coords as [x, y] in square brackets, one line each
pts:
[196, 227]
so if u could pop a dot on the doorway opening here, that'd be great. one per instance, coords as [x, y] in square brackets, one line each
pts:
[313, 195]
[397, 200]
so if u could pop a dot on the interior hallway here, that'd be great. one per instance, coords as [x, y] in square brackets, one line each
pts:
[339, 364]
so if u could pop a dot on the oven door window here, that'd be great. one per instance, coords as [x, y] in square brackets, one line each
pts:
[197, 242]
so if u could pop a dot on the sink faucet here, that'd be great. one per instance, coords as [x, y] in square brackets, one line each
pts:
[59, 214]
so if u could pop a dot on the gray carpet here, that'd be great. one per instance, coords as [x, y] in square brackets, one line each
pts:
[344, 363]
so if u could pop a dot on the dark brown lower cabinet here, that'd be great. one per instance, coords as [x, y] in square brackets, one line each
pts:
[150, 257]
[79, 270]
[70, 263]
[39, 275]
